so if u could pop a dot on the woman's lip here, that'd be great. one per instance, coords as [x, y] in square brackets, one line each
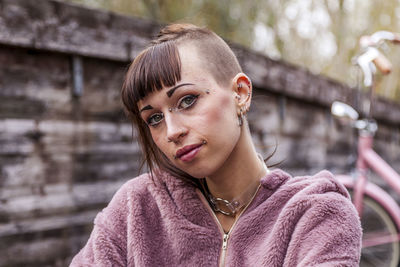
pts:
[185, 151]
[190, 155]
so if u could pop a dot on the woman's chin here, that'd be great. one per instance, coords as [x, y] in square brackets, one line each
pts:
[201, 173]
[197, 175]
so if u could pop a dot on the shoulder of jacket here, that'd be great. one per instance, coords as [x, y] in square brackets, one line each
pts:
[132, 190]
[319, 183]
[135, 184]
[318, 194]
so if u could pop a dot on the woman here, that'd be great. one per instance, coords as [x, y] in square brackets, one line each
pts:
[209, 199]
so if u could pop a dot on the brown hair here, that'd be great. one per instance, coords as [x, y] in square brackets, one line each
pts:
[159, 66]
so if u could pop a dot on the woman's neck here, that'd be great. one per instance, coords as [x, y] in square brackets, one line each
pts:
[242, 170]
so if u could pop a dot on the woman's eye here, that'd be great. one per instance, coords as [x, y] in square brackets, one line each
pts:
[155, 119]
[187, 101]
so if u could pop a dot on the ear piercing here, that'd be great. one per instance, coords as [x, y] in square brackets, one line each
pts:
[238, 96]
[170, 109]
[240, 87]
[240, 117]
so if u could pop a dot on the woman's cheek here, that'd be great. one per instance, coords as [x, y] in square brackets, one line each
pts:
[157, 140]
[219, 111]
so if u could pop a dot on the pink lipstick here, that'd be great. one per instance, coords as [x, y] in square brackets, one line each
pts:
[188, 153]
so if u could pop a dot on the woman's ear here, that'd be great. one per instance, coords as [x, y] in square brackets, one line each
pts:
[242, 89]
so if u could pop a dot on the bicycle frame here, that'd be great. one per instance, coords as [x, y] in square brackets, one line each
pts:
[369, 159]
[370, 60]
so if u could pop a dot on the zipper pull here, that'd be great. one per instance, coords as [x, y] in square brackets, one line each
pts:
[225, 241]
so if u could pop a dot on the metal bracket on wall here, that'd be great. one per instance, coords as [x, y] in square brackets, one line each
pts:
[77, 76]
[282, 107]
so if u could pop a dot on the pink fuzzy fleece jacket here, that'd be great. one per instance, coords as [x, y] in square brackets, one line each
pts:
[300, 221]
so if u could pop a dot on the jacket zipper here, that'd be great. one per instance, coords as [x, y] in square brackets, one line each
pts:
[225, 236]
[224, 248]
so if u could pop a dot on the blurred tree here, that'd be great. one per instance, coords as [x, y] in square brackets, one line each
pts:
[321, 35]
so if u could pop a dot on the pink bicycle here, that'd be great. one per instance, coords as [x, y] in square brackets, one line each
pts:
[379, 212]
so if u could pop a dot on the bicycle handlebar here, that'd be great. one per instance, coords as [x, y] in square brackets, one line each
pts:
[378, 37]
[369, 44]
[383, 64]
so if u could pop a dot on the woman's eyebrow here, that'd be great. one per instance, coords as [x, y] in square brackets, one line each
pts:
[171, 91]
[146, 108]
[169, 94]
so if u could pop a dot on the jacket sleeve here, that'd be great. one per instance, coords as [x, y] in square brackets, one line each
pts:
[328, 234]
[107, 242]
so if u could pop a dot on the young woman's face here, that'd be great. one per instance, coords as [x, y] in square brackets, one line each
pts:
[194, 123]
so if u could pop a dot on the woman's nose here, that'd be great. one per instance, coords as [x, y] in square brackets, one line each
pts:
[175, 129]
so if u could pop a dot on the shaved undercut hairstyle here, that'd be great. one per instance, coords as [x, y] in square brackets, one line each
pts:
[159, 66]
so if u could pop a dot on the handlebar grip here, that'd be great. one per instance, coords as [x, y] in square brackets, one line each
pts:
[396, 38]
[383, 64]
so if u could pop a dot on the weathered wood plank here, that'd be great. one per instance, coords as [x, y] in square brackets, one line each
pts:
[62, 199]
[293, 81]
[67, 28]
[67, 151]
[39, 85]
[51, 251]
[49, 223]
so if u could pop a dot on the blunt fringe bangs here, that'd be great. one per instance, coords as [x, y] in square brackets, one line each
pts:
[156, 67]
